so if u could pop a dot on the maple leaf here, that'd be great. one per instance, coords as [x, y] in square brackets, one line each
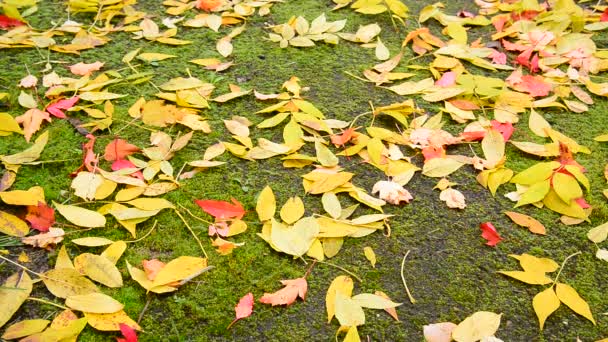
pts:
[222, 210]
[243, 309]
[84, 69]
[505, 128]
[90, 159]
[56, 108]
[128, 333]
[342, 139]
[41, 217]
[392, 192]
[287, 295]
[489, 232]
[127, 164]
[119, 149]
[31, 121]
[6, 22]
[604, 16]
[209, 5]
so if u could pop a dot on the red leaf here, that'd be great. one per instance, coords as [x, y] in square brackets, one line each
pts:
[505, 128]
[244, 308]
[6, 22]
[341, 139]
[152, 267]
[56, 108]
[604, 16]
[287, 295]
[431, 152]
[128, 333]
[221, 209]
[41, 217]
[119, 149]
[126, 164]
[489, 232]
[447, 80]
[582, 203]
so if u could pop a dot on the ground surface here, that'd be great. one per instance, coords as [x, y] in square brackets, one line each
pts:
[450, 271]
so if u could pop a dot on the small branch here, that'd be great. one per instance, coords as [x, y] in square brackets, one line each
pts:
[341, 268]
[310, 268]
[194, 216]
[143, 311]
[192, 232]
[412, 300]
[564, 264]
[46, 302]
[145, 235]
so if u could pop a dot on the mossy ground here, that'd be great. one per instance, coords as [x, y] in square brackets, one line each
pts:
[450, 271]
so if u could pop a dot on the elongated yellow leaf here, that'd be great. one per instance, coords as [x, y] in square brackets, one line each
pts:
[64, 282]
[352, 335]
[538, 124]
[30, 154]
[566, 187]
[266, 204]
[599, 233]
[92, 241]
[348, 312]
[370, 255]
[292, 210]
[31, 196]
[535, 173]
[114, 251]
[533, 264]
[179, 269]
[571, 298]
[25, 328]
[534, 278]
[341, 284]
[535, 193]
[493, 146]
[12, 225]
[372, 301]
[440, 167]
[111, 321]
[98, 268]
[80, 216]
[331, 204]
[477, 326]
[67, 332]
[544, 304]
[93, 302]
[13, 293]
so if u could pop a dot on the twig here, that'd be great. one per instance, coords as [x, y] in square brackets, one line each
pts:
[145, 235]
[192, 232]
[143, 311]
[46, 302]
[310, 269]
[341, 268]
[412, 300]
[194, 216]
[564, 264]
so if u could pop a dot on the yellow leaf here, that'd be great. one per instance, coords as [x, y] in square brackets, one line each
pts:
[331, 246]
[295, 240]
[80, 216]
[534, 193]
[140, 277]
[341, 284]
[292, 210]
[98, 268]
[179, 269]
[348, 311]
[153, 57]
[105, 189]
[477, 326]
[31, 196]
[382, 52]
[544, 304]
[493, 146]
[111, 321]
[535, 174]
[534, 278]
[370, 255]
[526, 221]
[12, 225]
[331, 204]
[92, 241]
[13, 293]
[352, 335]
[30, 154]
[440, 167]
[538, 124]
[237, 227]
[64, 282]
[151, 204]
[325, 156]
[553, 202]
[69, 332]
[25, 328]
[316, 250]
[63, 259]
[566, 187]
[570, 297]
[372, 301]
[114, 251]
[224, 46]
[599, 233]
[533, 264]
[8, 124]
[266, 204]
[329, 182]
[94, 302]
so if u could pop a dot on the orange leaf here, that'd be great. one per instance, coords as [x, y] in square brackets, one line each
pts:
[244, 308]
[31, 121]
[152, 267]
[526, 221]
[40, 217]
[341, 139]
[221, 209]
[208, 5]
[287, 295]
[119, 149]
[84, 69]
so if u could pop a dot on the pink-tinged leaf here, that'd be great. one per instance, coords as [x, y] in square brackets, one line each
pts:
[56, 108]
[222, 210]
[219, 228]
[6, 22]
[604, 16]
[534, 85]
[489, 232]
[41, 217]
[244, 308]
[498, 57]
[582, 203]
[127, 164]
[447, 80]
[473, 136]
[431, 152]
[287, 295]
[90, 159]
[438, 332]
[84, 69]
[505, 128]
[128, 333]
[119, 149]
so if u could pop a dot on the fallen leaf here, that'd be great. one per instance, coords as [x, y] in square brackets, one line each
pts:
[571, 298]
[25, 328]
[31, 121]
[438, 332]
[83, 69]
[41, 217]
[453, 198]
[243, 309]
[221, 209]
[13, 292]
[478, 326]
[56, 108]
[526, 221]
[370, 255]
[80, 216]
[119, 149]
[287, 295]
[544, 304]
[127, 332]
[489, 232]
[94, 302]
[392, 192]
[12, 225]
[43, 240]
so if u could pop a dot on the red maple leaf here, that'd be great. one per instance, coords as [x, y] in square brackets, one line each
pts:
[119, 149]
[489, 232]
[41, 217]
[341, 139]
[244, 308]
[222, 209]
[56, 108]
[287, 295]
[128, 333]
[604, 16]
[6, 22]
[505, 128]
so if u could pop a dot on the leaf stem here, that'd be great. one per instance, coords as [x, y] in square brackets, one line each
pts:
[47, 302]
[145, 235]
[194, 216]
[412, 300]
[340, 268]
[562, 267]
[192, 232]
